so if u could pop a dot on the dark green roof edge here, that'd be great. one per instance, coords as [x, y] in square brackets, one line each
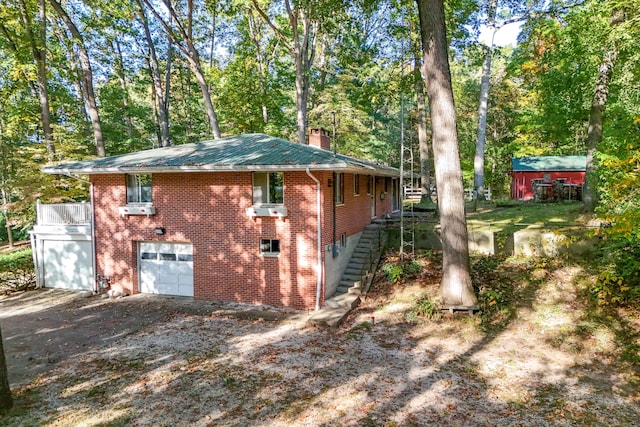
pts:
[549, 164]
[249, 152]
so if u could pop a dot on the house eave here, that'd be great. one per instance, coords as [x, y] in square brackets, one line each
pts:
[335, 167]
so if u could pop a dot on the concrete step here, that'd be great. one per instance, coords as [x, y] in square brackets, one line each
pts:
[357, 263]
[353, 277]
[355, 271]
[347, 290]
[346, 300]
[364, 249]
[364, 259]
[328, 317]
[350, 284]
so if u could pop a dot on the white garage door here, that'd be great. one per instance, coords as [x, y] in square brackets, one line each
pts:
[166, 268]
[68, 264]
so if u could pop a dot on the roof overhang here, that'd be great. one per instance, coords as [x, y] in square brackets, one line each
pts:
[364, 169]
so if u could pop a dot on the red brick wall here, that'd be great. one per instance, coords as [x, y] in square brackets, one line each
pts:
[355, 213]
[208, 211]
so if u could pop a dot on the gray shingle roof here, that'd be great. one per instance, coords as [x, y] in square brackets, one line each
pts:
[549, 164]
[248, 152]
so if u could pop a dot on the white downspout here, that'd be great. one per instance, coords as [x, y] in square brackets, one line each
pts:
[93, 241]
[319, 266]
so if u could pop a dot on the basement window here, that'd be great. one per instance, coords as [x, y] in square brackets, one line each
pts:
[270, 247]
[139, 189]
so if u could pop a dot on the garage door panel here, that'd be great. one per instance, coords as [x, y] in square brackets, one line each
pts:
[170, 272]
[185, 281]
[68, 264]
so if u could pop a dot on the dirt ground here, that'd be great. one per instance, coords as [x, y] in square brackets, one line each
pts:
[547, 364]
[41, 328]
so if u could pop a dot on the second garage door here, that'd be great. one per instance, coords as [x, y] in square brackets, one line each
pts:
[68, 264]
[166, 268]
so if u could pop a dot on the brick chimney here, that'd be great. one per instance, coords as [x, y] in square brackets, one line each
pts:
[320, 138]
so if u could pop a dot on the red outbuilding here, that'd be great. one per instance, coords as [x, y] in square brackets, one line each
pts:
[547, 177]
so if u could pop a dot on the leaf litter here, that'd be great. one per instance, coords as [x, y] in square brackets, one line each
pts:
[542, 364]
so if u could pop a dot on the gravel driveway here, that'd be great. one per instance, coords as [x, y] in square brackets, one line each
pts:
[44, 327]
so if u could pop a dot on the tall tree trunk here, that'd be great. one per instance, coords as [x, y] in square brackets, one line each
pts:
[87, 78]
[190, 53]
[39, 53]
[596, 117]
[122, 78]
[478, 161]
[254, 33]
[160, 104]
[423, 141]
[167, 78]
[302, 49]
[4, 170]
[456, 288]
[5, 212]
[6, 402]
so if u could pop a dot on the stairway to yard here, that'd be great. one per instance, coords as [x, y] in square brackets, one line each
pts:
[356, 278]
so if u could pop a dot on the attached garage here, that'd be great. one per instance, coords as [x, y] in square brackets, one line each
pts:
[166, 268]
[63, 257]
[68, 264]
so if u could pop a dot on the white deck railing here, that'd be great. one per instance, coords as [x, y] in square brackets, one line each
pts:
[64, 214]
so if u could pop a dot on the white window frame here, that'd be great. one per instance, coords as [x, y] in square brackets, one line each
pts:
[263, 187]
[136, 189]
[356, 184]
[338, 191]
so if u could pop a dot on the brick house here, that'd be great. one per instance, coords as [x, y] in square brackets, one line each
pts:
[252, 218]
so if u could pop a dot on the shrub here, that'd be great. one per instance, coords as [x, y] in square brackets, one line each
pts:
[392, 271]
[397, 271]
[17, 271]
[427, 308]
[619, 270]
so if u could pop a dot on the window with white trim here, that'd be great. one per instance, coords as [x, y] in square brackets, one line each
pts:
[139, 189]
[270, 247]
[338, 191]
[268, 188]
[356, 184]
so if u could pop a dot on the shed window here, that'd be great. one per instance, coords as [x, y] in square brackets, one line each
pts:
[139, 188]
[268, 188]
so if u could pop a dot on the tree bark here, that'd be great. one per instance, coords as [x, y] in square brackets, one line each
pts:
[39, 53]
[6, 402]
[122, 78]
[4, 172]
[478, 162]
[302, 49]
[596, 118]
[423, 141]
[87, 78]
[190, 53]
[456, 287]
[160, 103]
[254, 33]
